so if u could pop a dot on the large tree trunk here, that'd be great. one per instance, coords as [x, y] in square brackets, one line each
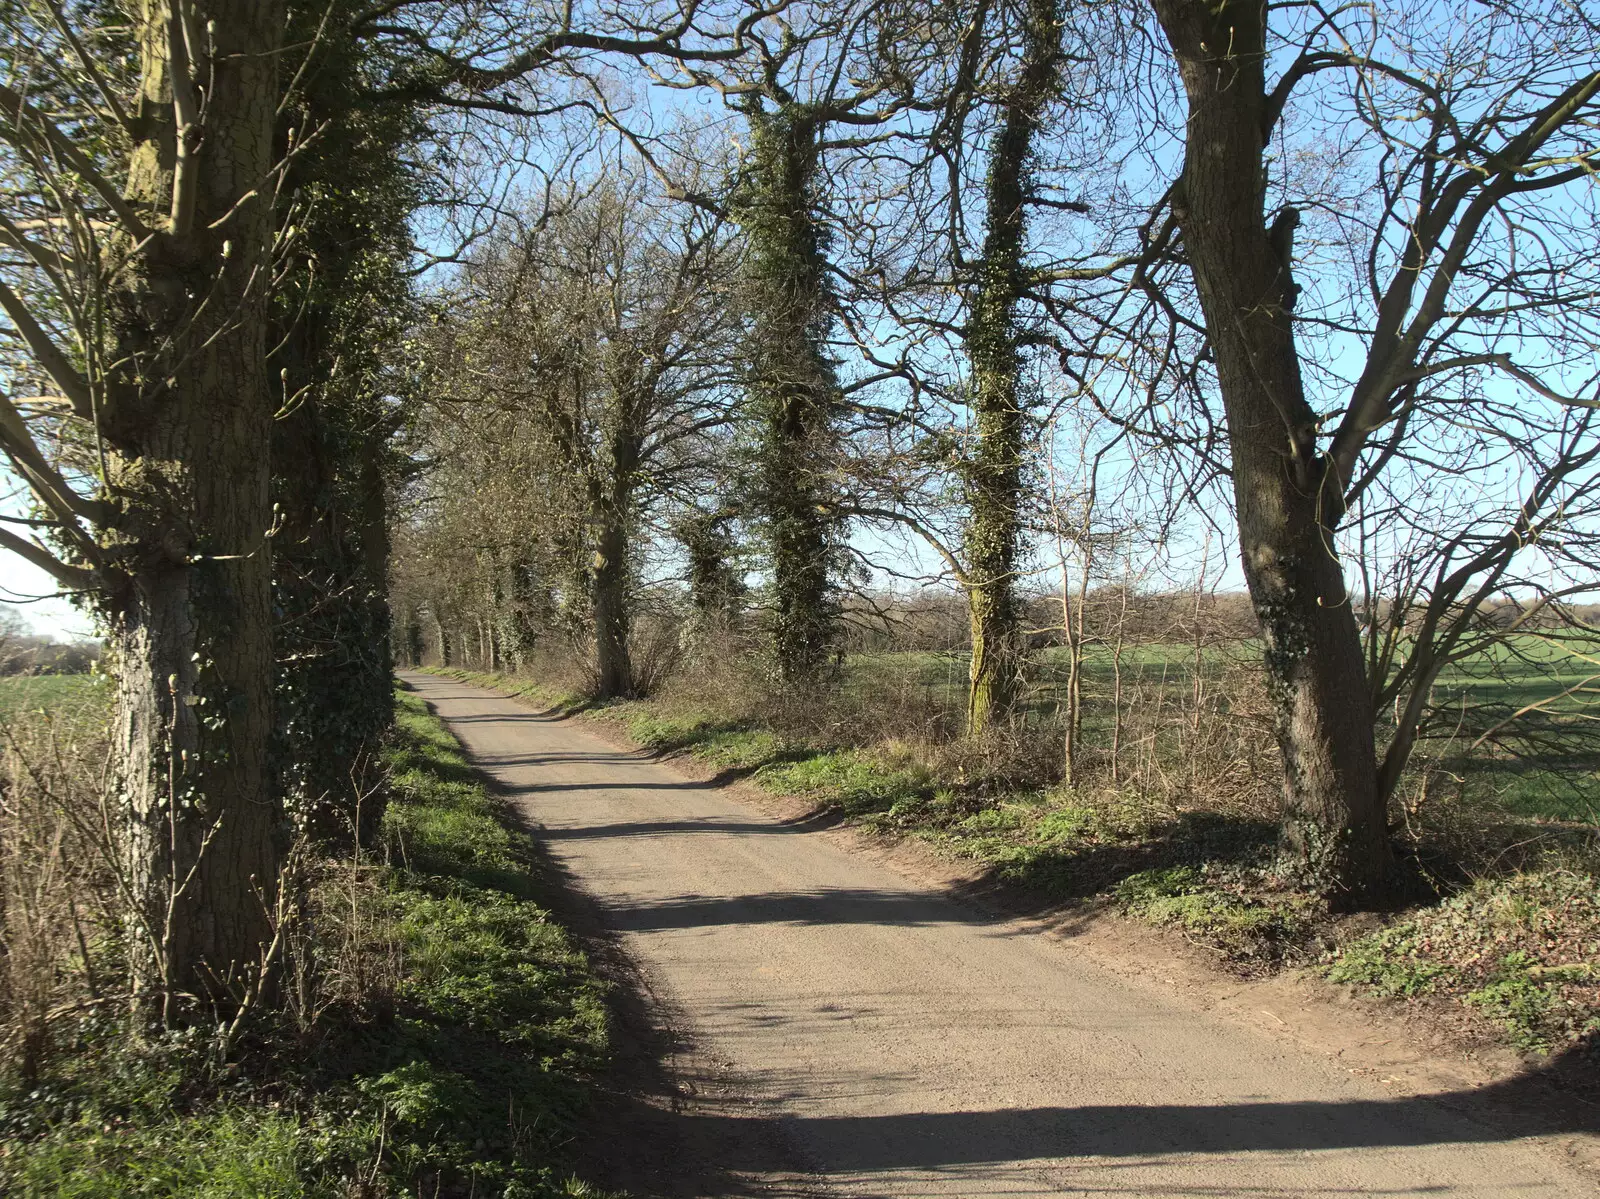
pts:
[369, 525]
[333, 653]
[611, 509]
[1000, 419]
[187, 425]
[333, 314]
[611, 615]
[794, 384]
[1335, 827]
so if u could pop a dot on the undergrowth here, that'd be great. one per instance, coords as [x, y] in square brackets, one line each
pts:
[1523, 952]
[440, 1039]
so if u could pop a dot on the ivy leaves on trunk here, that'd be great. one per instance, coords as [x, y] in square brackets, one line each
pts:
[792, 382]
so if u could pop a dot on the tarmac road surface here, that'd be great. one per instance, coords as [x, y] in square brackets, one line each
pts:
[905, 1044]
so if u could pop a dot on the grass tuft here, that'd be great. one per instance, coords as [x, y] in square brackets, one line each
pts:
[1219, 912]
[854, 781]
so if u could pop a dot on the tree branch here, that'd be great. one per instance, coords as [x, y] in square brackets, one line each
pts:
[72, 384]
[28, 128]
[72, 577]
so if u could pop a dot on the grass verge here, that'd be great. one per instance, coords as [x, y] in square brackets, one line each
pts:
[441, 1039]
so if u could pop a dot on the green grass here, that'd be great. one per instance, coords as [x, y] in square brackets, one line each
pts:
[229, 1153]
[729, 744]
[469, 1074]
[941, 677]
[75, 702]
[440, 822]
[500, 1025]
[858, 782]
[34, 692]
[1547, 764]
[1207, 908]
[1546, 767]
[113, 1117]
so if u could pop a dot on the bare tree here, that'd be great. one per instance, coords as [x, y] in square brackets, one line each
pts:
[604, 334]
[1429, 328]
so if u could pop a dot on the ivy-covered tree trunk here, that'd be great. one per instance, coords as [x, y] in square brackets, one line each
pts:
[1335, 824]
[412, 646]
[527, 610]
[715, 586]
[334, 662]
[611, 512]
[187, 424]
[793, 383]
[336, 315]
[614, 668]
[994, 468]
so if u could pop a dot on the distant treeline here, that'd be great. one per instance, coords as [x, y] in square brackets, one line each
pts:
[30, 654]
[930, 620]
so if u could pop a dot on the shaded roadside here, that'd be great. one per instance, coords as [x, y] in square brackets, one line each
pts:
[667, 1121]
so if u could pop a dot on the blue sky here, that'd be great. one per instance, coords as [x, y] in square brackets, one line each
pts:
[33, 592]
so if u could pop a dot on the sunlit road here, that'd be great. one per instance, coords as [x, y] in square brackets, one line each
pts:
[906, 1045]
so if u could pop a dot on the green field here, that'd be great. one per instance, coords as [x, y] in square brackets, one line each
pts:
[1544, 763]
[72, 701]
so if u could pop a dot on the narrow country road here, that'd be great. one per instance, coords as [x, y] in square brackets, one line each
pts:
[905, 1045]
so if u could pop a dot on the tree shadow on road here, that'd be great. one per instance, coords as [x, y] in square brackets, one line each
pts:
[690, 1129]
[833, 905]
[1149, 1140]
[1504, 1111]
[673, 1122]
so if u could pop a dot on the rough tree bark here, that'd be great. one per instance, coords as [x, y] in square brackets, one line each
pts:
[340, 309]
[993, 471]
[614, 669]
[186, 426]
[1288, 500]
[794, 383]
[611, 512]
